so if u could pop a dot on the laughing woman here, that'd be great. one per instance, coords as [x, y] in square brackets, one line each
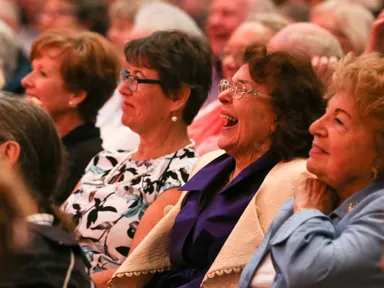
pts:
[332, 233]
[267, 108]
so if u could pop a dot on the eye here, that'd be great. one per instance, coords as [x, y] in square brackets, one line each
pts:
[338, 121]
[42, 73]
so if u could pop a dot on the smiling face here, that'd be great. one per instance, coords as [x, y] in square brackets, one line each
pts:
[343, 149]
[46, 84]
[146, 106]
[249, 121]
[223, 19]
[59, 14]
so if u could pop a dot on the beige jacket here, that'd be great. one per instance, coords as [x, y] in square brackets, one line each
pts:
[152, 256]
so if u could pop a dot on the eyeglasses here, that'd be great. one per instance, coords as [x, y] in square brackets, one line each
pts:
[134, 81]
[238, 90]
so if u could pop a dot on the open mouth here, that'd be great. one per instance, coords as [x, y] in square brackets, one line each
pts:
[229, 121]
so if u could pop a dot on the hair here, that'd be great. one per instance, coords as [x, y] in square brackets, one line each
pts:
[164, 16]
[180, 59]
[354, 21]
[374, 6]
[42, 159]
[262, 6]
[93, 14]
[273, 21]
[8, 52]
[296, 95]
[297, 12]
[363, 79]
[89, 63]
[308, 39]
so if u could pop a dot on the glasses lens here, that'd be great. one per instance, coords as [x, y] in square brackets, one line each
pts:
[132, 83]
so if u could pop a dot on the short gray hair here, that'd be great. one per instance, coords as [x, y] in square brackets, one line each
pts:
[273, 21]
[308, 38]
[8, 50]
[355, 20]
[262, 6]
[125, 9]
[159, 16]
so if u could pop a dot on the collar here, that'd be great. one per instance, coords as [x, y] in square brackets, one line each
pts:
[218, 170]
[81, 133]
[356, 198]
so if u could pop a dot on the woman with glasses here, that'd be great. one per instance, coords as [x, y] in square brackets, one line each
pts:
[167, 79]
[266, 110]
[73, 75]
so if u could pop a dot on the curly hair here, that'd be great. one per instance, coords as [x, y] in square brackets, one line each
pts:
[296, 95]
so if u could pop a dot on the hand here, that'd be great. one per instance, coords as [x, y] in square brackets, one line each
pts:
[324, 67]
[314, 194]
[376, 36]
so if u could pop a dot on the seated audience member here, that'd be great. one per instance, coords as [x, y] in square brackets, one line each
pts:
[163, 17]
[348, 22]
[313, 41]
[30, 145]
[73, 75]
[205, 129]
[15, 204]
[267, 108]
[120, 189]
[78, 15]
[332, 233]
[8, 53]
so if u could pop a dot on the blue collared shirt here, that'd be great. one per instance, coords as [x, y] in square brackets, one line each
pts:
[342, 249]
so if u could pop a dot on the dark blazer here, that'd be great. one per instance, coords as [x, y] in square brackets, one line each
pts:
[47, 259]
[82, 144]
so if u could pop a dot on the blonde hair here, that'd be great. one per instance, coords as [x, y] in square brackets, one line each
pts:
[125, 10]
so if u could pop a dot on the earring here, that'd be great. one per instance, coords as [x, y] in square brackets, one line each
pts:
[174, 118]
[374, 173]
[70, 104]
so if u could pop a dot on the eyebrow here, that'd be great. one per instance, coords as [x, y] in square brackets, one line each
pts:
[338, 110]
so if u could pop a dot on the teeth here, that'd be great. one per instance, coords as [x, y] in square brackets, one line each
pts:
[227, 118]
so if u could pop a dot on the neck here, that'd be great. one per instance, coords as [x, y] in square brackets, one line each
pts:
[346, 191]
[246, 157]
[67, 122]
[162, 140]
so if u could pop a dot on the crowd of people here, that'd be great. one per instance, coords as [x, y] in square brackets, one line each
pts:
[192, 143]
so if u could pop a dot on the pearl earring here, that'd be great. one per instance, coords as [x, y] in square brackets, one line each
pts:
[174, 118]
[70, 104]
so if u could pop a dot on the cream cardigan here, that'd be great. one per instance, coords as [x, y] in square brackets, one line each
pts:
[152, 256]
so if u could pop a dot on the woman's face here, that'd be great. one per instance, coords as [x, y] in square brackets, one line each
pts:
[249, 121]
[46, 84]
[343, 149]
[148, 105]
[59, 14]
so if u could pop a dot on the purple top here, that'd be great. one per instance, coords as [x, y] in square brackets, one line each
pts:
[198, 234]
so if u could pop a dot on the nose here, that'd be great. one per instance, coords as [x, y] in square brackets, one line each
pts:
[27, 80]
[123, 89]
[225, 97]
[318, 128]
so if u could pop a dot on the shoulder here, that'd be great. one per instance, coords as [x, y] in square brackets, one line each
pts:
[205, 160]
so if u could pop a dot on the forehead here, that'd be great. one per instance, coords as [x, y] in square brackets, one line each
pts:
[247, 34]
[344, 102]
[242, 75]
[227, 6]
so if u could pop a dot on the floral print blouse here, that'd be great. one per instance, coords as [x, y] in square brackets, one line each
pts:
[115, 191]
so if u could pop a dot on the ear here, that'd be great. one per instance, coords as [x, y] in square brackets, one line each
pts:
[10, 152]
[77, 98]
[180, 99]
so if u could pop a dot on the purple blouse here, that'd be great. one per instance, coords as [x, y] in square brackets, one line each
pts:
[198, 234]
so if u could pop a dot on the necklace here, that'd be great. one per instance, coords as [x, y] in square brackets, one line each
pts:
[109, 176]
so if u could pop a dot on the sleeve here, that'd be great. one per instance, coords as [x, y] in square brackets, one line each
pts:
[178, 171]
[310, 252]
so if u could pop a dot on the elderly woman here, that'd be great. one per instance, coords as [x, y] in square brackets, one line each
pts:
[31, 147]
[266, 108]
[161, 98]
[332, 233]
[349, 22]
[73, 75]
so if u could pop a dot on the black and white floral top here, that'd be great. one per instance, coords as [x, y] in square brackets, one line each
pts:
[114, 194]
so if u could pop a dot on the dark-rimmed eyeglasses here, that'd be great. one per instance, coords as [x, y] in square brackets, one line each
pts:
[238, 90]
[134, 81]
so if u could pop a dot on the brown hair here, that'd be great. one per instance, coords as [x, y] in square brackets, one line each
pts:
[296, 95]
[180, 59]
[362, 78]
[42, 159]
[88, 63]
